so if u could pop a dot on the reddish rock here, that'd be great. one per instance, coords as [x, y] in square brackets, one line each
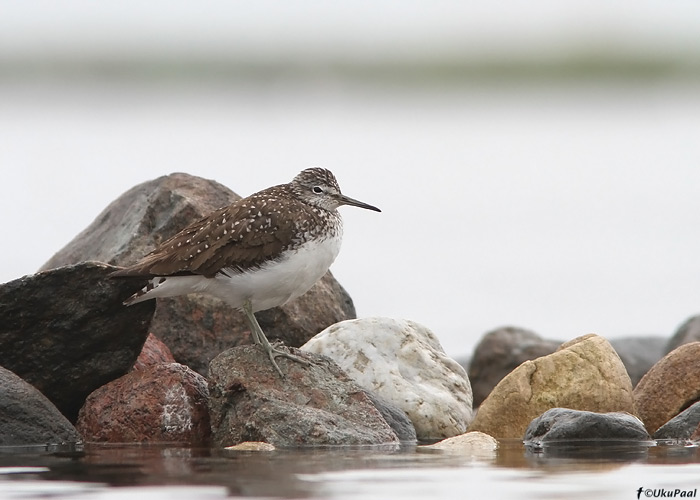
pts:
[154, 352]
[313, 405]
[695, 436]
[500, 352]
[161, 403]
[196, 328]
[671, 386]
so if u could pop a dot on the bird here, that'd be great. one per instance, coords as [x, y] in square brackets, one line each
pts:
[255, 254]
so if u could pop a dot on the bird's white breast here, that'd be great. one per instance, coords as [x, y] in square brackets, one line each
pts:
[272, 285]
[277, 282]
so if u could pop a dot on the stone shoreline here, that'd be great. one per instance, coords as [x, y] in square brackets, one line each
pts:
[78, 366]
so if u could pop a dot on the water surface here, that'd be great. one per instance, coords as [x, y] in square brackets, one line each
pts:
[173, 472]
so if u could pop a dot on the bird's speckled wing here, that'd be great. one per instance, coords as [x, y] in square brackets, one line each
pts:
[239, 237]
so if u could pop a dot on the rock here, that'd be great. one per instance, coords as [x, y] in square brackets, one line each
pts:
[563, 425]
[166, 402]
[686, 333]
[695, 436]
[404, 363]
[671, 385]
[682, 426]
[395, 417]
[251, 446]
[313, 405]
[27, 417]
[499, 352]
[154, 352]
[147, 214]
[67, 333]
[470, 443]
[195, 327]
[584, 374]
[639, 354]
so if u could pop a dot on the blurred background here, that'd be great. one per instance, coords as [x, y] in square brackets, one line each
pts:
[537, 163]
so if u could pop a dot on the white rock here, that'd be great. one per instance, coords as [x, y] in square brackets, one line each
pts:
[403, 362]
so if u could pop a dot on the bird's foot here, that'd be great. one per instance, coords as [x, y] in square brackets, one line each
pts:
[273, 353]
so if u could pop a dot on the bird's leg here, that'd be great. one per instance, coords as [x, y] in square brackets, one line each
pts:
[260, 339]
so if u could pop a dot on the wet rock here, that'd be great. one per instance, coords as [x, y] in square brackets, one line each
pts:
[27, 417]
[404, 363]
[252, 446]
[688, 332]
[471, 443]
[672, 385]
[154, 352]
[682, 426]
[196, 327]
[583, 374]
[67, 333]
[566, 425]
[166, 402]
[395, 417]
[500, 352]
[639, 354]
[313, 405]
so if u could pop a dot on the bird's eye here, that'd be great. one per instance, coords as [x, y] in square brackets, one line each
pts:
[317, 189]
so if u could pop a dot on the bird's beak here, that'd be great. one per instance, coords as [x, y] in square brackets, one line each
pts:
[346, 200]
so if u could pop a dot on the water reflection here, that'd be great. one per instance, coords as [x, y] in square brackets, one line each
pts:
[98, 471]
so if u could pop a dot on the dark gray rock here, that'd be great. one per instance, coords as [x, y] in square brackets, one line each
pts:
[688, 332]
[563, 425]
[499, 352]
[395, 417]
[165, 402]
[313, 405]
[639, 354]
[682, 426]
[67, 333]
[196, 328]
[27, 417]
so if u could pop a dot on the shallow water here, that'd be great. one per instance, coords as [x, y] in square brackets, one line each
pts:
[174, 472]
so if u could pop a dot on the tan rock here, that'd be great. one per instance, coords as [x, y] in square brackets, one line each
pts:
[583, 374]
[470, 443]
[669, 387]
[252, 446]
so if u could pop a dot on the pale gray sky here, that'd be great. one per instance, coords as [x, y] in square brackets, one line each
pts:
[566, 209]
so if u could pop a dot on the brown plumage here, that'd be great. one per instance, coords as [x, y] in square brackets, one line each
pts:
[257, 253]
[239, 237]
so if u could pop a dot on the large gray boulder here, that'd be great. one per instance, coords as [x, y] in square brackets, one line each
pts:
[312, 405]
